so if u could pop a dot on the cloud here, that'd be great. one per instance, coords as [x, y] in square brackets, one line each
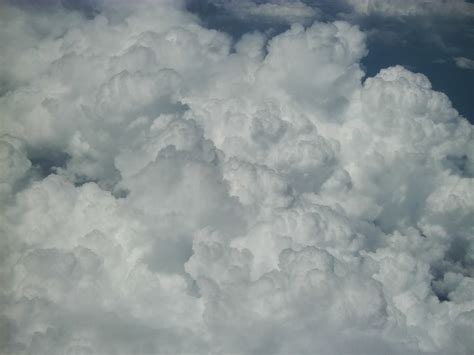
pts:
[168, 189]
[274, 11]
[14, 163]
[464, 63]
[413, 7]
[292, 11]
[289, 12]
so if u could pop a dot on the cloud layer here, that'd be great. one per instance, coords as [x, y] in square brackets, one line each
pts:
[413, 7]
[167, 189]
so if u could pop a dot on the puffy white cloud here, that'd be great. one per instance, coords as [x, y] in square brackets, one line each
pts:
[165, 189]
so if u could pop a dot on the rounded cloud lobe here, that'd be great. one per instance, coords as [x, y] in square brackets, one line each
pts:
[166, 189]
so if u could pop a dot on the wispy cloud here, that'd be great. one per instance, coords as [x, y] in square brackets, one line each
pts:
[464, 63]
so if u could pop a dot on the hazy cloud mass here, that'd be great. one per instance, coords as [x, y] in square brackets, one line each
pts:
[169, 188]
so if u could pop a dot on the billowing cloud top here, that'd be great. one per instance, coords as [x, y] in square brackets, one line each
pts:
[167, 189]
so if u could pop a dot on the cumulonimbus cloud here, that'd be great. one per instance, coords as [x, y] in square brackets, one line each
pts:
[166, 189]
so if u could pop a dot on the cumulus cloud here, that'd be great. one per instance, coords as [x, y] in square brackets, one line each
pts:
[167, 189]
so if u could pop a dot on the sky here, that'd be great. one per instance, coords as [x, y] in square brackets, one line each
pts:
[236, 177]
